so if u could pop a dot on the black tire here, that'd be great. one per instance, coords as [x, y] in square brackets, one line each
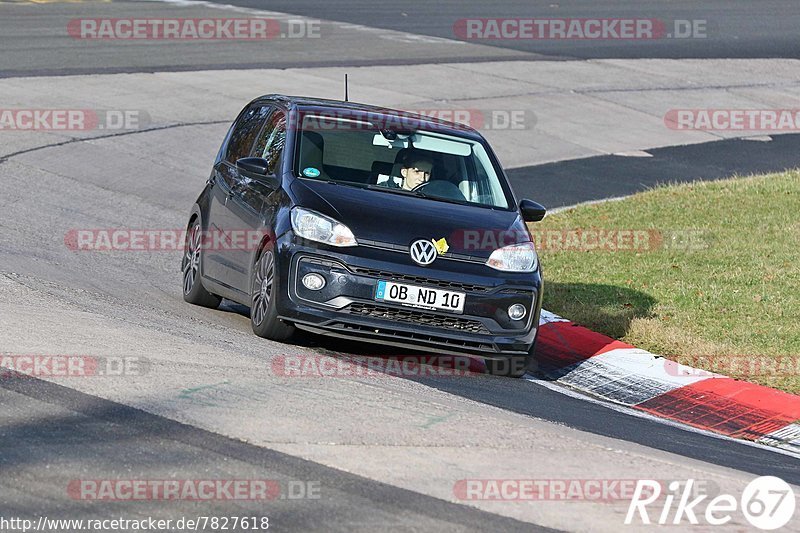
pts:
[263, 296]
[193, 290]
[511, 367]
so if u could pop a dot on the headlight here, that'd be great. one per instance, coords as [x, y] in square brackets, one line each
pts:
[515, 258]
[317, 227]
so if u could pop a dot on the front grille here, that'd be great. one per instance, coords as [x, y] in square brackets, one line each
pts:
[391, 276]
[517, 291]
[416, 337]
[417, 317]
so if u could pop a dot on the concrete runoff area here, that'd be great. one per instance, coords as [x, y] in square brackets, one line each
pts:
[563, 111]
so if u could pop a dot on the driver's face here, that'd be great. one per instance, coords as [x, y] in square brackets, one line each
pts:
[418, 173]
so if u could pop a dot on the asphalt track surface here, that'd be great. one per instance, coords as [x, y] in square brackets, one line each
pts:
[575, 181]
[734, 28]
[36, 42]
[361, 32]
[52, 432]
[86, 425]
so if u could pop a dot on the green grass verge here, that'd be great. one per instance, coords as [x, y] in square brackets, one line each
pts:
[713, 280]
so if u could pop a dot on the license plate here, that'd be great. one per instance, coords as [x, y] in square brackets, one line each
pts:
[424, 297]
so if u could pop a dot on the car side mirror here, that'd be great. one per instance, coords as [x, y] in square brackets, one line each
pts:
[532, 211]
[257, 168]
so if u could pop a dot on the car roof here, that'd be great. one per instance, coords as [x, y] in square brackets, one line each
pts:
[304, 103]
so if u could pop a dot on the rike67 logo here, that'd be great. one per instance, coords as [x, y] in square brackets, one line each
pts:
[767, 503]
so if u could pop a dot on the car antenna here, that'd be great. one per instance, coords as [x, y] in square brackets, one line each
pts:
[345, 88]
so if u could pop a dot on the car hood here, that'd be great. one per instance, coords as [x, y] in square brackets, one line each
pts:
[389, 218]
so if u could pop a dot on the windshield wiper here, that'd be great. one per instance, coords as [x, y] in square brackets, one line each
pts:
[421, 194]
[448, 200]
[373, 187]
[396, 191]
[404, 192]
[347, 183]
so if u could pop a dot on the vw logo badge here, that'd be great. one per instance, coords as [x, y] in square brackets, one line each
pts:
[423, 252]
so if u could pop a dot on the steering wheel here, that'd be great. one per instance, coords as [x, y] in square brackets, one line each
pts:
[441, 189]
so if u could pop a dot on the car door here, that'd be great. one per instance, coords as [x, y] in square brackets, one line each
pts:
[219, 263]
[253, 202]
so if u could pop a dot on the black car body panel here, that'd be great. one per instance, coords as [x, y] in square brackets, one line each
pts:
[384, 225]
[388, 221]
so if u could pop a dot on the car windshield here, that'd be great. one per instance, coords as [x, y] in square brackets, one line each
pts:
[396, 158]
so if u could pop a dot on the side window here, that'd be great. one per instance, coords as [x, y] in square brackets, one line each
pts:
[245, 132]
[272, 140]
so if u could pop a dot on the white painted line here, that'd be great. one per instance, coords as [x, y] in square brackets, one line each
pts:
[628, 376]
[566, 391]
[786, 438]
[546, 317]
[378, 33]
[643, 363]
[633, 153]
[284, 17]
[611, 381]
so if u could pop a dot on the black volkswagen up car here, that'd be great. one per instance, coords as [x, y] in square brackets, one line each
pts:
[367, 223]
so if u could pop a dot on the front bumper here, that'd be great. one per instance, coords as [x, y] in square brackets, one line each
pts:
[346, 305]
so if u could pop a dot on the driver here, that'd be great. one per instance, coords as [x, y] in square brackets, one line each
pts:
[416, 170]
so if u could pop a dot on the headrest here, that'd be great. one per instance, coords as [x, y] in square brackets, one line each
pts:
[381, 167]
